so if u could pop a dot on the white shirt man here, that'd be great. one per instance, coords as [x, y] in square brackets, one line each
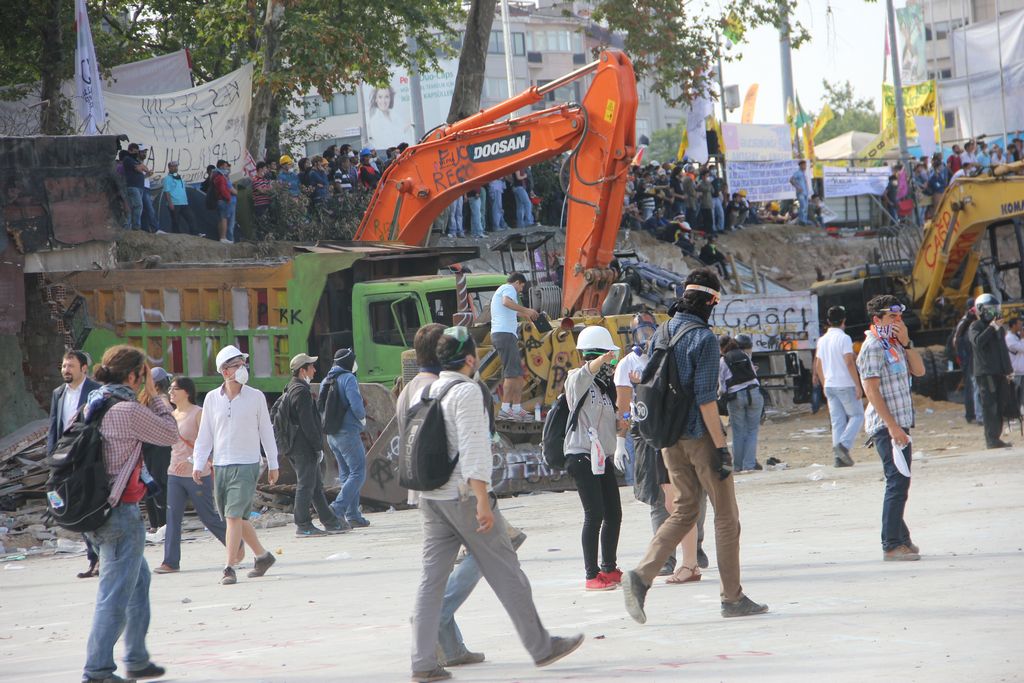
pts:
[835, 366]
[505, 311]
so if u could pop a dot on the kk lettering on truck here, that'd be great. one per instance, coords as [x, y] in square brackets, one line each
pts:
[501, 147]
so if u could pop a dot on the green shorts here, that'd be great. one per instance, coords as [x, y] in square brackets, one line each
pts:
[233, 489]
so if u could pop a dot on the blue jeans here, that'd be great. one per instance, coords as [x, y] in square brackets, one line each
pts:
[897, 489]
[455, 228]
[461, 583]
[135, 207]
[745, 422]
[232, 207]
[476, 217]
[524, 209]
[497, 210]
[179, 491]
[351, 456]
[717, 214]
[846, 413]
[150, 220]
[122, 601]
[802, 209]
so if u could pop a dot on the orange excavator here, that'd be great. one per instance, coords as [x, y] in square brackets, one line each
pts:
[453, 159]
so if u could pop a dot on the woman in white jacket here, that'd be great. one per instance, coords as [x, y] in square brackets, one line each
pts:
[589, 448]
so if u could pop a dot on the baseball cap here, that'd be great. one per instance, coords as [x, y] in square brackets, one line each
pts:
[301, 360]
[227, 353]
[365, 152]
[159, 374]
[143, 147]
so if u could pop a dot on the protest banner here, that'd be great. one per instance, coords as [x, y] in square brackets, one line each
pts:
[756, 142]
[194, 127]
[850, 182]
[764, 181]
[775, 322]
[918, 100]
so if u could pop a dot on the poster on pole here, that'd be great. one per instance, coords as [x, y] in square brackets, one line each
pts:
[851, 182]
[913, 55]
[764, 181]
[194, 127]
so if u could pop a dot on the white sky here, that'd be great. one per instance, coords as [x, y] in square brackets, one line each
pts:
[848, 45]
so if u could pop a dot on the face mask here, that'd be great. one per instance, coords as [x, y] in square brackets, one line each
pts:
[883, 331]
[242, 375]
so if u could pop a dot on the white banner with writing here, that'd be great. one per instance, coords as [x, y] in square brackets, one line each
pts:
[764, 181]
[785, 322]
[850, 182]
[194, 127]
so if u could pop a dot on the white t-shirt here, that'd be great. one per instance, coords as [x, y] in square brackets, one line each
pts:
[70, 406]
[832, 349]
[628, 365]
[503, 318]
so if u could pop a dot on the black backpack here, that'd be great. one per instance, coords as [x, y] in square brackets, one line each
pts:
[78, 486]
[329, 406]
[558, 422]
[284, 427]
[662, 406]
[423, 463]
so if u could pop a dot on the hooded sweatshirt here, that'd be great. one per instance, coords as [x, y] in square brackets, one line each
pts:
[339, 395]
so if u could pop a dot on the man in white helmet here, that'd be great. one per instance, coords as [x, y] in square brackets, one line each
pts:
[236, 422]
[992, 365]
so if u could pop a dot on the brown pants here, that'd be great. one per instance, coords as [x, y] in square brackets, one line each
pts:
[689, 465]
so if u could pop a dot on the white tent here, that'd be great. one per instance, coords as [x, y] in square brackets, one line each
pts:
[843, 146]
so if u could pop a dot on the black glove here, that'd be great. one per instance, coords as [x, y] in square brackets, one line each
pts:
[724, 462]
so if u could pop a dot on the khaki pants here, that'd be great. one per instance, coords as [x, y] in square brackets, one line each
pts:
[689, 465]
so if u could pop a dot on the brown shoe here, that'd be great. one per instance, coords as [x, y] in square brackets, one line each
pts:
[262, 564]
[164, 569]
[913, 548]
[900, 553]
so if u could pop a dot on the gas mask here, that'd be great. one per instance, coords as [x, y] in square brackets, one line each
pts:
[242, 375]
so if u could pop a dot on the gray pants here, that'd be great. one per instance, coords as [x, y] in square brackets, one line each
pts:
[180, 490]
[447, 524]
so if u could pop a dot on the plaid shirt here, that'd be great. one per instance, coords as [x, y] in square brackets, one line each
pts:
[697, 358]
[125, 427]
[894, 379]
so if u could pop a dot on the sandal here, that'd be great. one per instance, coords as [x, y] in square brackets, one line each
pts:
[684, 575]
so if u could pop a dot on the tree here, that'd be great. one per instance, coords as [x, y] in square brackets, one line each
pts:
[850, 112]
[665, 143]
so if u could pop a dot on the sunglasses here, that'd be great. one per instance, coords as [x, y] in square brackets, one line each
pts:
[895, 308]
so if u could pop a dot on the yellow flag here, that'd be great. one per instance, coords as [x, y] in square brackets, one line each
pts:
[712, 123]
[749, 102]
[808, 136]
[790, 118]
[824, 117]
[683, 143]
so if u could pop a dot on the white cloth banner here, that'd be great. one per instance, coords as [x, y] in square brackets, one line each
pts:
[165, 73]
[88, 86]
[696, 130]
[925, 134]
[849, 182]
[194, 127]
[774, 322]
[757, 142]
[980, 98]
[764, 181]
[975, 48]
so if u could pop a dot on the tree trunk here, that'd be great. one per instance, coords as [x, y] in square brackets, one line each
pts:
[51, 115]
[469, 81]
[273, 138]
[263, 99]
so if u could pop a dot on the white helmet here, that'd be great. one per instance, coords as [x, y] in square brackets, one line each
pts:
[227, 353]
[597, 338]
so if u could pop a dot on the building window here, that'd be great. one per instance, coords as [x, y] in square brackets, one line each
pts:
[496, 45]
[949, 119]
[518, 44]
[344, 103]
[495, 88]
[553, 41]
[641, 92]
[643, 128]
[315, 108]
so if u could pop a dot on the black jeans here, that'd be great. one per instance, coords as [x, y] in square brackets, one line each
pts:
[309, 488]
[157, 460]
[183, 212]
[602, 513]
[991, 413]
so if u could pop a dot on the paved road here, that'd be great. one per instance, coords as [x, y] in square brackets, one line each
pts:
[810, 549]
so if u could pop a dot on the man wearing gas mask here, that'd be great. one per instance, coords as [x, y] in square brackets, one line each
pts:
[992, 365]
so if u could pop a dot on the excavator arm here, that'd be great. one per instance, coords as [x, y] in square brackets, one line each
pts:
[450, 161]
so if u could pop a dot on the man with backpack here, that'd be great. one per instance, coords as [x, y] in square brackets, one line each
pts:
[299, 435]
[344, 419]
[235, 425]
[699, 458]
[464, 511]
[122, 601]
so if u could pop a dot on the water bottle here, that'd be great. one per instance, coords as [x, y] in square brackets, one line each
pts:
[536, 412]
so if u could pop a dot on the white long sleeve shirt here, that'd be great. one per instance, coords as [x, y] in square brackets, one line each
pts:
[1016, 348]
[468, 432]
[233, 429]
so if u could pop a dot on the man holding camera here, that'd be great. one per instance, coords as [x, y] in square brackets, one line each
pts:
[699, 461]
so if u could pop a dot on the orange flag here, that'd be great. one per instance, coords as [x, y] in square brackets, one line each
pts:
[748, 104]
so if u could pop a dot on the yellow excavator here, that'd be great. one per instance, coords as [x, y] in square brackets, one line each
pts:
[973, 243]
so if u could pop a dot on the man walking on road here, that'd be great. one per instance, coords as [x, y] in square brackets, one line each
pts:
[505, 309]
[304, 449]
[886, 361]
[235, 424]
[835, 368]
[699, 461]
[799, 182]
[464, 511]
[344, 416]
[992, 365]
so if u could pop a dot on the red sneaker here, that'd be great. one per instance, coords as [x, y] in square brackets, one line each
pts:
[613, 577]
[599, 583]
